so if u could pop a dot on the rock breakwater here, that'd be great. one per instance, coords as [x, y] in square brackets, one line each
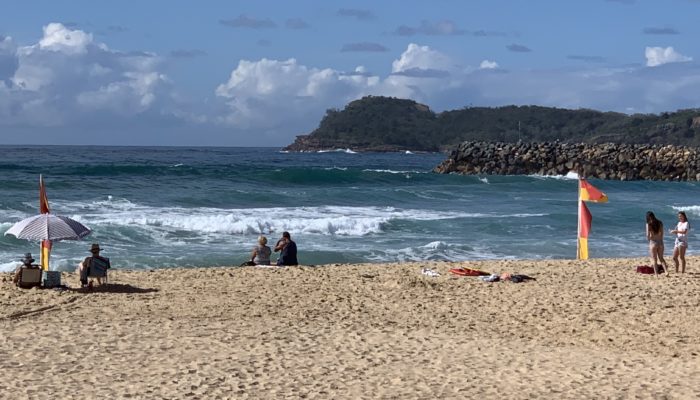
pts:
[603, 161]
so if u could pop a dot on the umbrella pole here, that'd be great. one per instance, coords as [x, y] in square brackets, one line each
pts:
[45, 254]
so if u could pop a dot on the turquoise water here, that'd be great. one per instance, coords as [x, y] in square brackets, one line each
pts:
[166, 207]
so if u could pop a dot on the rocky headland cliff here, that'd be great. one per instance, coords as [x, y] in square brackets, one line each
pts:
[376, 123]
[604, 161]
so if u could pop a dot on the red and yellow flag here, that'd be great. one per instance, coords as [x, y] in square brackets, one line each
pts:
[43, 200]
[44, 209]
[588, 192]
[584, 227]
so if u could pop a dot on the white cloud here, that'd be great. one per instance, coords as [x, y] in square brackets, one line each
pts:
[130, 96]
[8, 59]
[421, 57]
[288, 98]
[6, 44]
[486, 64]
[663, 55]
[66, 76]
[272, 93]
[68, 81]
[59, 38]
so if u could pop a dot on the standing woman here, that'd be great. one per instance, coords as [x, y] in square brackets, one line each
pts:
[655, 236]
[681, 244]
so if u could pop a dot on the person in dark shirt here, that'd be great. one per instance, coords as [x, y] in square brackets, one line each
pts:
[96, 261]
[287, 249]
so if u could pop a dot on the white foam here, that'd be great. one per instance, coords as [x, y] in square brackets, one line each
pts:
[484, 180]
[347, 151]
[431, 251]
[12, 215]
[391, 171]
[437, 245]
[693, 210]
[571, 175]
[9, 266]
[324, 220]
[168, 224]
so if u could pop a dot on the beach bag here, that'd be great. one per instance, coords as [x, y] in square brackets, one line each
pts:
[52, 279]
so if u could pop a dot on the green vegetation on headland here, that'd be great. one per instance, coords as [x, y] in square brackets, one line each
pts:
[389, 124]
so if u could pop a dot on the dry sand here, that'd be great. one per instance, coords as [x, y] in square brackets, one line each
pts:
[589, 329]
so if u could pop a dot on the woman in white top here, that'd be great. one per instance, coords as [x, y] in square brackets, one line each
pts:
[681, 244]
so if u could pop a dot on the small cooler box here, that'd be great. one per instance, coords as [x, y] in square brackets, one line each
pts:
[52, 279]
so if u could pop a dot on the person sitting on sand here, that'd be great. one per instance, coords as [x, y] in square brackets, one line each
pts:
[261, 252]
[655, 236]
[287, 249]
[681, 244]
[26, 263]
[87, 263]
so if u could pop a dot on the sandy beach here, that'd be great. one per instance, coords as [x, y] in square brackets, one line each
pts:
[582, 329]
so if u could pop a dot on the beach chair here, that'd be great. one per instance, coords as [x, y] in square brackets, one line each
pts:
[98, 269]
[29, 277]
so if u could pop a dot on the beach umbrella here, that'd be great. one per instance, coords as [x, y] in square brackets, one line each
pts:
[48, 227]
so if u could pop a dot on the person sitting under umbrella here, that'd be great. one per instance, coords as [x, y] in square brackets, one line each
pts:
[26, 264]
[95, 265]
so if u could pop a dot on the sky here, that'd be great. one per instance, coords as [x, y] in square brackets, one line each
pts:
[258, 73]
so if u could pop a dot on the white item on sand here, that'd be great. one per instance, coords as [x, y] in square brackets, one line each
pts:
[429, 272]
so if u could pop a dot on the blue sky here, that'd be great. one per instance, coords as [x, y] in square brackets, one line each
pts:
[243, 73]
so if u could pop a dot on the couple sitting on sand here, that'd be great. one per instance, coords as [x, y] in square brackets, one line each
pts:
[286, 246]
[94, 266]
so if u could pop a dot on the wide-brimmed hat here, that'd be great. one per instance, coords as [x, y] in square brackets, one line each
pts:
[28, 258]
[94, 247]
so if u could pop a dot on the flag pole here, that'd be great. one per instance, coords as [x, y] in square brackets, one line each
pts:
[45, 250]
[578, 221]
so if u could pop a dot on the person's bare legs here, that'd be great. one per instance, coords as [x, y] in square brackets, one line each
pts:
[676, 254]
[681, 253]
[660, 255]
[654, 254]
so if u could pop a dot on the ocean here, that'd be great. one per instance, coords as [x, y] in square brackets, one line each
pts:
[162, 207]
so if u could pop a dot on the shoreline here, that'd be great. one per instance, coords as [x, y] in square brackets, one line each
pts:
[582, 329]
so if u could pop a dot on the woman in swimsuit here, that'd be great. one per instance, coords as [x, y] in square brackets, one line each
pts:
[681, 244]
[655, 236]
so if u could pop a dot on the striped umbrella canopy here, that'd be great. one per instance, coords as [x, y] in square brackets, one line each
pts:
[48, 227]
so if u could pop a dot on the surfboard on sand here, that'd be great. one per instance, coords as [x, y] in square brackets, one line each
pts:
[463, 271]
